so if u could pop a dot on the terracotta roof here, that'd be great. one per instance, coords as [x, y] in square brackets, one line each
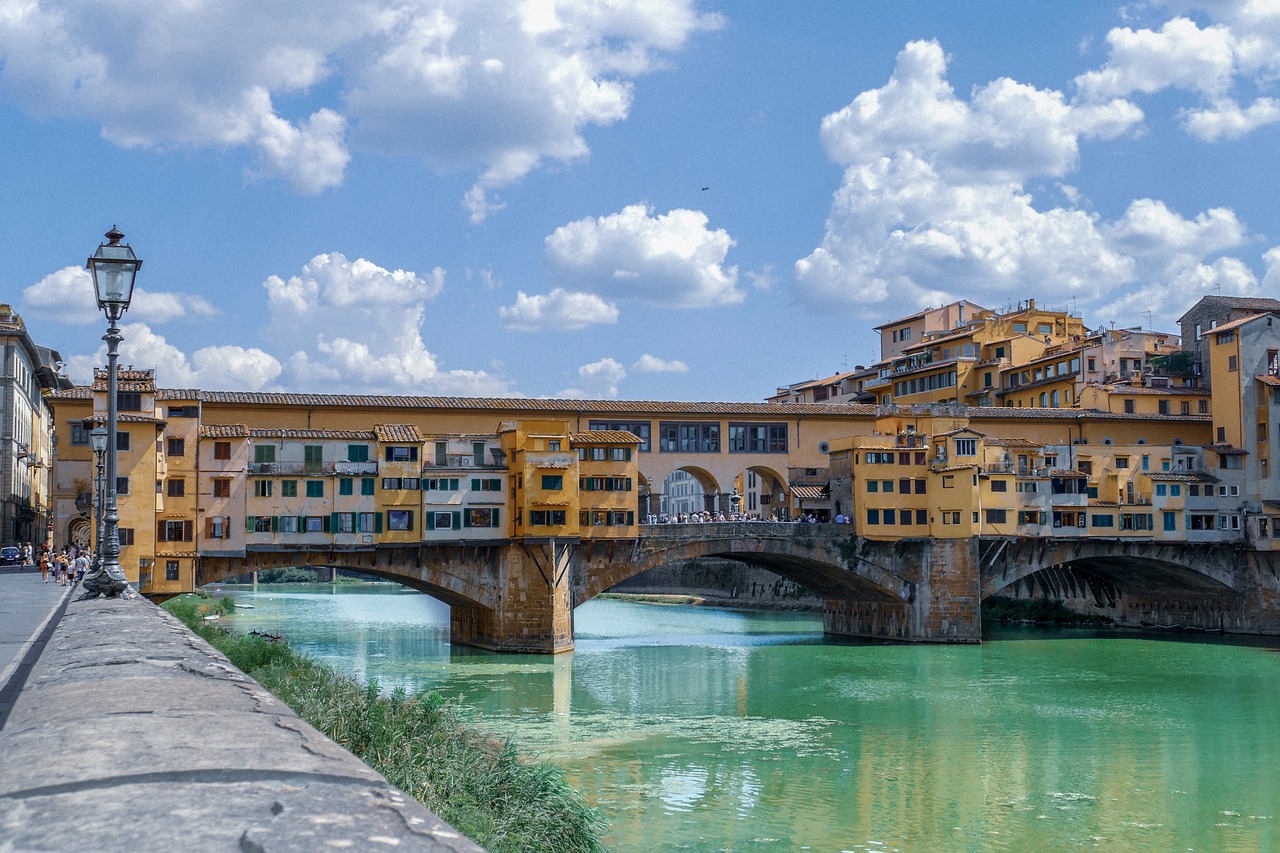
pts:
[1248, 303]
[1141, 390]
[398, 432]
[352, 434]
[1267, 379]
[1226, 450]
[966, 467]
[1014, 442]
[224, 431]
[129, 418]
[1180, 476]
[952, 432]
[1235, 324]
[605, 436]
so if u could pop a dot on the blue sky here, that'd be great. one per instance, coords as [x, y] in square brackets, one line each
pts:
[426, 197]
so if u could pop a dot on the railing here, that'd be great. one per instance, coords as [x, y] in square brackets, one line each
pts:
[315, 469]
[463, 460]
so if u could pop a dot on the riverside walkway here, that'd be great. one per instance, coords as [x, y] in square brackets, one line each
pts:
[128, 732]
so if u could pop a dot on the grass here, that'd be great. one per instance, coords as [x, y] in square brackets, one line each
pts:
[477, 783]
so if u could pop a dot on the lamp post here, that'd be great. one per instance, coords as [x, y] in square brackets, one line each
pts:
[114, 267]
[98, 441]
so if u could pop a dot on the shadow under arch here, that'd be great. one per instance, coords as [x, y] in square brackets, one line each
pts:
[1128, 574]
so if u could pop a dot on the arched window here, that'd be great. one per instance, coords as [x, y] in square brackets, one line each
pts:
[1053, 399]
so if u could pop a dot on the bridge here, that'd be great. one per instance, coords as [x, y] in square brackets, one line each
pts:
[520, 596]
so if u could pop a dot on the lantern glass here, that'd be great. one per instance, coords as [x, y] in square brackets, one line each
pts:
[98, 439]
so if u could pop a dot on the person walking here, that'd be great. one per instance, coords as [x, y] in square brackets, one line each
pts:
[44, 567]
[82, 566]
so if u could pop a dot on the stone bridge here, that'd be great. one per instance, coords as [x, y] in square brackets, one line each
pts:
[519, 596]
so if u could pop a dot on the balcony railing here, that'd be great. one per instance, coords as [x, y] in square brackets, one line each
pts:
[464, 460]
[313, 469]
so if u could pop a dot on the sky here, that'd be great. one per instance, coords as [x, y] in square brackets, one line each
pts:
[633, 199]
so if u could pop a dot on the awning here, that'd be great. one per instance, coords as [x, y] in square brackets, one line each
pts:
[810, 493]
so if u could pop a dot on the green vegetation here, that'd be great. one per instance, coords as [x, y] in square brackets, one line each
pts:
[1038, 611]
[1179, 361]
[475, 782]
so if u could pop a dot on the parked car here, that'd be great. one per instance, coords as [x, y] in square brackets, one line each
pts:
[10, 556]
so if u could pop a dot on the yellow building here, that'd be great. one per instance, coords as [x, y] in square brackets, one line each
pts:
[607, 477]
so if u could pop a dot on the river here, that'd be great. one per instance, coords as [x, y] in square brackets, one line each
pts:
[698, 729]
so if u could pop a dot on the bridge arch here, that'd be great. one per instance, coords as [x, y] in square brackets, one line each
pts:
[821, 564]
[459, 576]
[1131, 567]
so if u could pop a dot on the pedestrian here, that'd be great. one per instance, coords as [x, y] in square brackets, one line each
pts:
[44, 567]
[82, 566]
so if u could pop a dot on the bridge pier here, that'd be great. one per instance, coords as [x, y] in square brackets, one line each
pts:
[533, 610]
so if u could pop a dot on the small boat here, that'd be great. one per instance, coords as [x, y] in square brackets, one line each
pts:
[213, 617]
[245, 606]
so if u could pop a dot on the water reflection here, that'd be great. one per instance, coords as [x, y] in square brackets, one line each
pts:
[698, 729]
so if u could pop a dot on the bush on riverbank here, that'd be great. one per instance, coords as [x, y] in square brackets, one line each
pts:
[1038, 611]
[475, 782]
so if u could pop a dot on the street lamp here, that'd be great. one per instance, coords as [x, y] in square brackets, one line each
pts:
[98, 441]
[114, 267]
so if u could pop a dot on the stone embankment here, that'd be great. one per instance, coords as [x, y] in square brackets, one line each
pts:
[134, 734]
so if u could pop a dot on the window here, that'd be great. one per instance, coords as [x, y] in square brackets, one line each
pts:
[1199, 330]
[313, 456]
[264, 453]
[79, 435]
[997, 516]
[288, 524]
[441, 484]
[757, 438]
[1163, 407]
[262, 488]
[217, 527]
[288, 488]
[951, 518]
[1186, 407]
[346, 486]
[222, 450]
[173, 531]
[486, 484]
[1161, 490]
[904, 486]
[620, 454]
[1130, 407]
[170, 566]
[1234, 463]
[122, 441]
[410, 483]
[689, 437]
[1107, 520]
[175, 447]
[1233, 362]
[890, 516]
[1136, 521]
[1203, 407]
[261, 523]
[390, 484]
[922, 516]
[873, 485]
[1228, 522]
[442, 453]
[368, 485]
[966, 447]
[920, 486]
[1122, 462]
[221, 488]
[1228, 491]
[315, 488]
[399, 519]
[873, 516]
[1031, 516]
[357, 453]
[546, 518]
[999, 485]
[552, 482]
[948, 481]
[126, 535]
[553, 444]
[1175, 491]
[122, 485]
[402, 454]
[346, 522]
[1170, 520]
[477, 453]
[640, 429]
[317, 524]
[128, 401]
[369, 522]
[480, 517]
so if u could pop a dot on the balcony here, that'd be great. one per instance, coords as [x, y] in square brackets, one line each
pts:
[312, 469]
[497, 461]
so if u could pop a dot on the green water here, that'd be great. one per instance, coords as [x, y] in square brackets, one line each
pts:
[698, 729]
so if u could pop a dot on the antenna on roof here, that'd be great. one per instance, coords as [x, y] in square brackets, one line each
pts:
[1147, 314]
[1217, 287]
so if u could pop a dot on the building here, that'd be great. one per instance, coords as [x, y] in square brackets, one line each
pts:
[1209, 313]
[26, 436]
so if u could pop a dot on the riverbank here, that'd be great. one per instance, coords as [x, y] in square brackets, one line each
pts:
[477, 783]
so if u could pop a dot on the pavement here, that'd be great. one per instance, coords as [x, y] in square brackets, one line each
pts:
[29, 610]
[131, 733]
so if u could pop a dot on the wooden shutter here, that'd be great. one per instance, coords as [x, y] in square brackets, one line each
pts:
[428, 521]
[208, 527]
[160, 532]
[188, 530]
[495, 517]
[457, 520]
[377, 522]
[249, 521]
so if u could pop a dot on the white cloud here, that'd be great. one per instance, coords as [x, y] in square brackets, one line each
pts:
[353, 326]
[67, 296]
[933, 206]
[652, 364]
[1239, 47]
[670, 260]
[598, 380]
[559, 309]
[211, 368]
[496, 87]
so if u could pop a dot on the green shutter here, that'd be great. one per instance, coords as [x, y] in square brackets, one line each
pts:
[413, 454]
[335, 523]
[249, 521]
[275, 524]
[631, 518]
[302, 524]
[495, 517]
[326, 525]
[388, 454]
[457, 521]
[475, 484]
[410, 520]
[466, 519]
[428, 521]
[377, 522]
